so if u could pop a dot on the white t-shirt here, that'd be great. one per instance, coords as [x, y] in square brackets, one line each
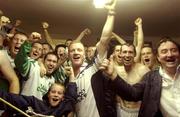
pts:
[35, 85]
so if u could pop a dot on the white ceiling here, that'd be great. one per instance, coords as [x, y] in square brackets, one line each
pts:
[70, 17]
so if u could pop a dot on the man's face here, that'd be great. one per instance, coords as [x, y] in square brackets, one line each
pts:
[36, 51]
[61, 52]
[16, 43]
[117, 54]
[56, 94]
[76, 54]
[68, 43]
[90, 52]
[50, 63]
[46, 49]
[128, 55]
[147, 57]
[168, 55]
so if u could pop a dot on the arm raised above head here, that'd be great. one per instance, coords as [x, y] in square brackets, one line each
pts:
[102, 45]
[139, 37]
[84, 33]
[48, 38]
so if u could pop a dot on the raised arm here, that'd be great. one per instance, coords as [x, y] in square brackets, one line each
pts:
[82, 35]
[102, 45]
[140, 39]
[118, 38]
[9, 73]
[48, 38]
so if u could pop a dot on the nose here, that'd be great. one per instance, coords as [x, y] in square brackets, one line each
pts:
[19, 41]
[75, 51]
[169, 53]
[127, 54]
[55, 94]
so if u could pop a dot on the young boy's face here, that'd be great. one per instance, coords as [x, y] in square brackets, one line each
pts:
[56, 94]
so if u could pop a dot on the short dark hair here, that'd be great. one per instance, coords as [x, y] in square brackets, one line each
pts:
[128, 44]
[67, 41]
[45, 43]
[165, 39]
[21, 33]
[50, 53]
[59, 45]
[148, 46]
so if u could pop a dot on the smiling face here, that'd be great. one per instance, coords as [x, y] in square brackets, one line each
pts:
[90, 52]
[76, 54]
[16, 43]
[168, 55]
[117, 54]
[61, 52]
[36, 51]
[128, 54]
[46, 48]
[147, 57]
[56, 94]
[50, 63]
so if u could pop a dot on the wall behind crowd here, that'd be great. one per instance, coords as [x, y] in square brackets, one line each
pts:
[92, 40]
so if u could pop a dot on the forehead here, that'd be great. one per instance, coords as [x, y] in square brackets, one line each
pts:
[57, 87]
[146, 49]
[127, 48]
[37, 45]
[20, 36]
[76, 45]
[61, 48]
[117, 47]
[46, 46]
[166, 45]
[51, 57]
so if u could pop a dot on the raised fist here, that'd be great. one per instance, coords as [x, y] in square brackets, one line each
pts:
[138, 21]
[35, 36]
[45, 25]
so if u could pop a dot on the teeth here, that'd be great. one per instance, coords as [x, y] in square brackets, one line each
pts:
[55, 99]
